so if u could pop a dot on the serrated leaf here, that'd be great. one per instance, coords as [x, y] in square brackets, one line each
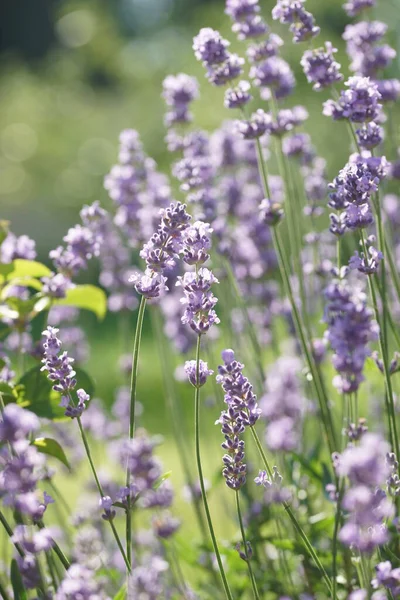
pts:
[51, 448]
[88, 297]
[27, 268]
[41, 399]
[121, 594]
[16, 582]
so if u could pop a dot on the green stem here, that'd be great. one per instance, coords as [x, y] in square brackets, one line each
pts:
[10, 533]
[335, 541]
[134, 377]
[307, 544]
[200, 471]
[57, 550]
[3, 592]
[249, 567]
[284, 268]
[100, 489]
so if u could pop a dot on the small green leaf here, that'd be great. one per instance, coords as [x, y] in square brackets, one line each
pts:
[121, 594]
[16, 582]
[88, 297]
[161, 479]
[4, 229]
[27, 268]
[40, 398]
[7, 392]
[51, 448]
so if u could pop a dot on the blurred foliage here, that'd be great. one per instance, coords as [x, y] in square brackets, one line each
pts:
[74, 73]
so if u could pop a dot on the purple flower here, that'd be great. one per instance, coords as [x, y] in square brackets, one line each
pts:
[367, 264]
[275, 73]
[271, 213]
[320, 68]
[150, 284]
[354, 7]
[350, 329]
[358, 216]
[264, 49]
[370, 135]
[360, 103]
[238, 96]
[254, 128]
[108, 512]
[197, 243]
[223, 74]
[56, 285]
[178, 92]
[388, 577]
[355, 184]
[239, 9]
[80, 582]
[389, 89]
[298, 145]
[287, 119]
[191, 372]
[17, 247]
[302, 23]
[235, 468]
[17, 423]
[198, 300]
[251, 27]
[209, 47]
[165, 525]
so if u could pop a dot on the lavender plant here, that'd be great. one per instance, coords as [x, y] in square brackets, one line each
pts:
[306, 504]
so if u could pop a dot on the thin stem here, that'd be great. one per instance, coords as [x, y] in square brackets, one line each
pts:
[293, 519]
[246, 552]
[200, 471]
[3, 592]
[10, 533]
[99, 487]
[57, 550]
[335, 540]
[284, 268]
[134, 376]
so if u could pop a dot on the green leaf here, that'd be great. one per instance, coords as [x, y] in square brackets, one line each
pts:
[21, 282]
[51, 448]
[7, 392]
[27, 268]
[41, 399]
[161, 479]
[16, 582]
[121, 594]
[88, 297]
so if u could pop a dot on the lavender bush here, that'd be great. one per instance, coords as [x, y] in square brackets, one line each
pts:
[266, 259]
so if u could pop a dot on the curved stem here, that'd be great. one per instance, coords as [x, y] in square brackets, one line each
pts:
[134, 374]
[201, 478]
[10, 533]
[99, 487]
[251, 574]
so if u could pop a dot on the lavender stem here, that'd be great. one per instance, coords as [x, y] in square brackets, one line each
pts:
[200, 471]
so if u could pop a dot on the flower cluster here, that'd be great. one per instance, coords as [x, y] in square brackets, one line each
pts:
[359, 104]
[61, 373]
[293, 13]
[350, 329]
[242, 411]
[364, 500]
[320, 67]
[211, 49]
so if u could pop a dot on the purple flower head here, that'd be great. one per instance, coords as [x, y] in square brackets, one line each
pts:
[178, 92]
[106, 504]
[56, 285]
[367, 264]
[320, 67]
[17, 423]
[275, 73]
[228, 71]
[17, 247]
[271, 213]
[358, 216]
[254, 128]
[389, 89]
[360, 103]
[235, 469]
[264, 49]
[58, 366]
[150, 284]
[287, 119]
[198, 300]
[240, 9]
[355, 184]
[197, 242]
[165, 525]
[367, 56]
[191, 372]
[80, 582]
[298, 145]
[350, 329]
[293, 13]
[354, 7]
[251, 27]
[388, 577]
[209, 47]
[238, 390]
[370, 135]
[238, 96]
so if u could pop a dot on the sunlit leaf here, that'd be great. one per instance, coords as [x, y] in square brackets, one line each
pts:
[16, 582]
[88, 297]
[27, 268]
[51, 448]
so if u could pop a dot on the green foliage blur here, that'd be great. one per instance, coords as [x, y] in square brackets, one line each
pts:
[74, 73]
